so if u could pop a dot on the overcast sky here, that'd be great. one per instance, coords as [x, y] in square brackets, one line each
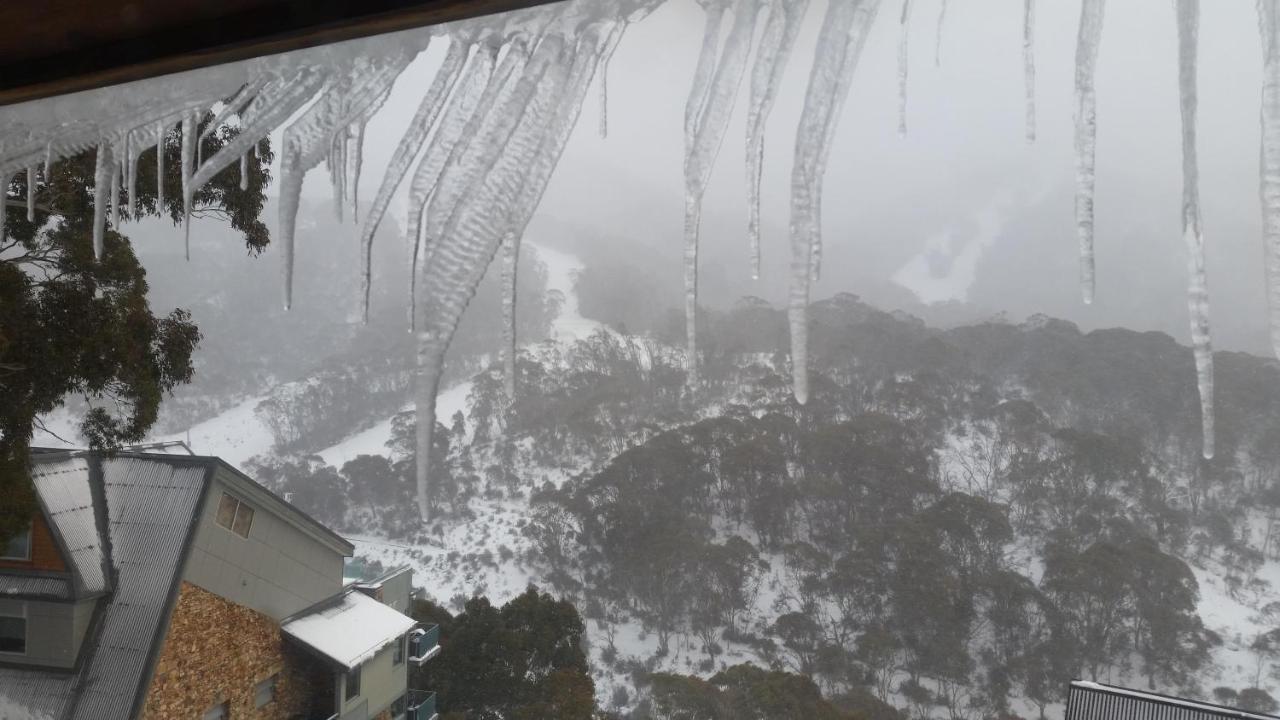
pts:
[961, 208]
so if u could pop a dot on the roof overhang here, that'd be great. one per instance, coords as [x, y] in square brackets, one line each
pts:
[347, 629]
[56, 47]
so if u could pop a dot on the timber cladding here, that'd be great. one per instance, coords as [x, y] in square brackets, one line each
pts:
[44, 550]
[216, 651]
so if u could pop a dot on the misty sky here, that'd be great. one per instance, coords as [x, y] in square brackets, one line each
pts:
[962, 208]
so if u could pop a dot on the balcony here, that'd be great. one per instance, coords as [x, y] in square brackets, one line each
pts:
[424, 644]
[422, 707]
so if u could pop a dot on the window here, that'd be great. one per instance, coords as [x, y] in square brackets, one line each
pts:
[353, 683]
[265, 692]
[399, 706]
[397, 655]
[235, 515]
[13, 635]
[18, 547]
[217, 712]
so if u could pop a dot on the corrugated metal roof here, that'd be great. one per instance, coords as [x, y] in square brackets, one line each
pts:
[33, 694]
[65, 489]
[35, 586]
[151, 505]
[151, 508]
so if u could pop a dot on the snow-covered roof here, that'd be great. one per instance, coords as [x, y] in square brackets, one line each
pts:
[349, 628]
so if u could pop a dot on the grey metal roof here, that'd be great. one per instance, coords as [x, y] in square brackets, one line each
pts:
[36, 587]
[148, 507]
[33, 694]
[66, 491]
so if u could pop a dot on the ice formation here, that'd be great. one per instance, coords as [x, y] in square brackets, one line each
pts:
[1192, 233]
[1086, 136]
[844, 32]
[904, 35]
[711, 102]
[491, 127]
[779, 38]
[1269, 28]
[1029, 65]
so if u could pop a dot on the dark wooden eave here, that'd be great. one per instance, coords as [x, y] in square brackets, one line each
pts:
[53, 47]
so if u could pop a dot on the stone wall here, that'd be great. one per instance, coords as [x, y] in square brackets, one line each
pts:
[216, 651]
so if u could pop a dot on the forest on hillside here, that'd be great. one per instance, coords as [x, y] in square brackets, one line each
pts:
[957, 524]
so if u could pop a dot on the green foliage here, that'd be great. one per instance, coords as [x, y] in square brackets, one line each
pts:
[71, 324]
[522, 661]
[743, 692]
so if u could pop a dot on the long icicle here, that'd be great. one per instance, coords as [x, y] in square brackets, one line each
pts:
[1192, 232]
[776, 44]
[840, 42]
[904, 34]
[101, 186]
[701, 149]
[488, 157]
[510, 261]
[161, 131]
[31, 194]
[188, 187]
[244, 171]
[453, 280]
[1269, 186]
[1086, 135]
[410, 143]
[937, 42]
[1029, 66]
[442, 180]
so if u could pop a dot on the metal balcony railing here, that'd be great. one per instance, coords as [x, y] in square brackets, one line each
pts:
[422, 706]
[424, 644]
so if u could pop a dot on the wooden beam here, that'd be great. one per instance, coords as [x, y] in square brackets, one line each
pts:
[54, 47]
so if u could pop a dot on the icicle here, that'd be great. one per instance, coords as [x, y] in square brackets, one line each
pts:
[131, 174]
[410, 143]
[1269, 27]
[461, 121]
[278, 102]
[31, 194]
[244, 171]
[101, 185]
[840, 42]
[162, 131]
[776, 43]
[1192, 233]
[324, 127]
[1029, 65]
[701, 148]
[525, 165]
[903, 35]
[510, 258]
[188, 187]
[937, 43]
[355, 159]
[115, 195]
[604, 92]
[48, 159]
[1086, 137]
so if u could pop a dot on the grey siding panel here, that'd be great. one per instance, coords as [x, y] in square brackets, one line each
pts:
[278, 570]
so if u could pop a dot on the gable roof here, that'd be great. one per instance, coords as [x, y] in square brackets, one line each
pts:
[125, 522]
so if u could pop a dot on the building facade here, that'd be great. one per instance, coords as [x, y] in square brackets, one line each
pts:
[158, 585]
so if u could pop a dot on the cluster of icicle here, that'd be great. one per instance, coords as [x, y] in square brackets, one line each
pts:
[491, 127]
